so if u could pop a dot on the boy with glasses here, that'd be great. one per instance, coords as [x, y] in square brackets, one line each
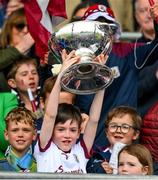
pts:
[122, 125]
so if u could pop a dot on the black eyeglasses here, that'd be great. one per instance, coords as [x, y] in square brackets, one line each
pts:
[20, 26]
[124, 128]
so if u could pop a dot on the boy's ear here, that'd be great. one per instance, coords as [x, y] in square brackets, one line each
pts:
[106, 130]
[42, 104]
[12, 83]
[79, 133]
[136, 134]
[6, 135]
[35, 135]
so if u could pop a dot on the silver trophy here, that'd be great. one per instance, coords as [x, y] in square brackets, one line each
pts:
[89, 39]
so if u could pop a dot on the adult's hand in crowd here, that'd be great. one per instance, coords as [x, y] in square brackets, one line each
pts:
[13, 5]
[25, 44]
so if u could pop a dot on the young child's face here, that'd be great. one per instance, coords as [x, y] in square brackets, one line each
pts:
[20, 136]
[26, 77]
[116, 135]
[130, 165]
[65, 135]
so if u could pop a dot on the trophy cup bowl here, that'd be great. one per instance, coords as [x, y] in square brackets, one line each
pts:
[89, 39]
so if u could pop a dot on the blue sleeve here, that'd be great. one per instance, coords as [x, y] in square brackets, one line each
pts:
[94, 165]
[147, 81]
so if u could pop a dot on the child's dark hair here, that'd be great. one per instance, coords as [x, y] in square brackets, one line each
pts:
[68, 111]
[12, 69]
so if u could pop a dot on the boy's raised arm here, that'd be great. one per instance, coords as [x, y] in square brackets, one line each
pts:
[94, 115]
[52, 106]
[50, 114]
[95, 111]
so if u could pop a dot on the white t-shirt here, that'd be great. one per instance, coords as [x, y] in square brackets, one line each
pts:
[52, 159]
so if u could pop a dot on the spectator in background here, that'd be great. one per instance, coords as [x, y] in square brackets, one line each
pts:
[123, 10]
[144, 20]
[15, 40]
[23, 78]
[13, 5]
[7, 7]
[148, 83]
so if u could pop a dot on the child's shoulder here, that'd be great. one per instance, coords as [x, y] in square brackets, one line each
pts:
[102, 153]
[2, 159]
[5, 166]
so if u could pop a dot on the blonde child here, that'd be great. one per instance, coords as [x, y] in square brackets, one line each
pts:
[8, 101]
[20, 132]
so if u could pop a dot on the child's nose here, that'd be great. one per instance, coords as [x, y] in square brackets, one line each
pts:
[20, 134]
[31, 76]
[67, 134]
[118, 129]
[124, 168]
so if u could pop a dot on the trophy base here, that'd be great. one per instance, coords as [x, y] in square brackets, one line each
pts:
[86, 78]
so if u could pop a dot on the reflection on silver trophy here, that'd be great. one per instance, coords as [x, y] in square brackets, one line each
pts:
[89, 39]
